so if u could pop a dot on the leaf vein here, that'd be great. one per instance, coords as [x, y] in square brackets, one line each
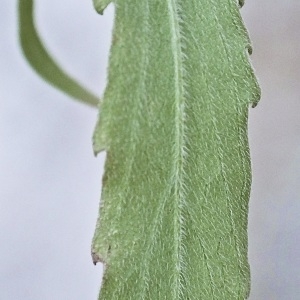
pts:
[174, 10]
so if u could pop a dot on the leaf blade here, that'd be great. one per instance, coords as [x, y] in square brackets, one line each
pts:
[173, 222]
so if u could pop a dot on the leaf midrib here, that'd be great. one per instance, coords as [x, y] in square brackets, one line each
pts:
[179, 151]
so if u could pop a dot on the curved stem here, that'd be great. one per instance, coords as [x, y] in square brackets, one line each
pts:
[42, 62]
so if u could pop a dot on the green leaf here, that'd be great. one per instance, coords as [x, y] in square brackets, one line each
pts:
[173, 216]
[42, 62]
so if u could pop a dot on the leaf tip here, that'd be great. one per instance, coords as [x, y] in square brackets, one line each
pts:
[96, 258]
[241, 3]
[256, 96]
[97, 149]
[100, 5]
[250, 49]
[99, 140]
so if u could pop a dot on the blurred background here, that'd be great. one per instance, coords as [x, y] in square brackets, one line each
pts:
[50, 181]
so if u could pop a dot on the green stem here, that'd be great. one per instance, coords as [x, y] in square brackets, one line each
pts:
[42, 62]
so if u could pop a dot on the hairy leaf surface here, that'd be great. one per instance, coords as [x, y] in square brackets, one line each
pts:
[173, 216]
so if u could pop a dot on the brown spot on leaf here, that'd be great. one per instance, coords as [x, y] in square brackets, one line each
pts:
[96, 258]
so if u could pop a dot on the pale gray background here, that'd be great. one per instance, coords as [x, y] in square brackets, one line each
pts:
[50, 181]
